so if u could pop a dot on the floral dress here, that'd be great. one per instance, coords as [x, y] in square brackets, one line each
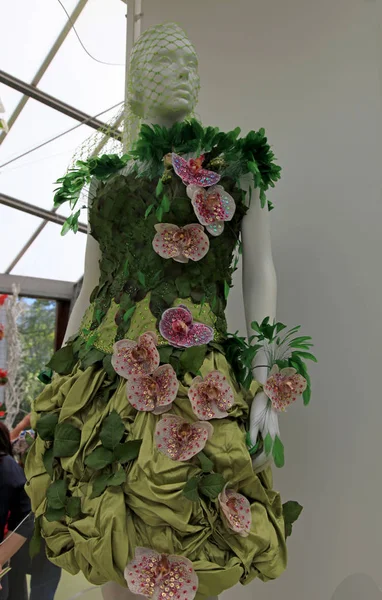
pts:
[140, 472]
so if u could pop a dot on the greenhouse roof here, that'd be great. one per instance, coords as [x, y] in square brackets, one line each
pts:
[44, 57]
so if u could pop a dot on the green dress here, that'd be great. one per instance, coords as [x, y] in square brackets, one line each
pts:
[101, 485]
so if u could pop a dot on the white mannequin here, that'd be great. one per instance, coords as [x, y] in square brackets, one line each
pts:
[180, 83]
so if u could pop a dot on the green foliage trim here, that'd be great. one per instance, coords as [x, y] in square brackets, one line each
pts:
[226, 152]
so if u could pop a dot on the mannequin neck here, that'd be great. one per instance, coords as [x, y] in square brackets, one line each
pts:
[166, 120]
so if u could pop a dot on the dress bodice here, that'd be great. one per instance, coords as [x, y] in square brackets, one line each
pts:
[123, 217]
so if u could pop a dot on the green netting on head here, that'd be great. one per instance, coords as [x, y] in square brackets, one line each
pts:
[163, 82]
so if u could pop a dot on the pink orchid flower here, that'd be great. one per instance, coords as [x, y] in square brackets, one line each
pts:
[179, 439]
[178, 328]
[191, 171]
[283, 387]
[136, 358]
[212, 206]
[211, 397]
[181, 243]
[236, 511]
[154, 393]
[161, 576]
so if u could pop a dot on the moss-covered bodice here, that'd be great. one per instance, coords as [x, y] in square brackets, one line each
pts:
[123, 216]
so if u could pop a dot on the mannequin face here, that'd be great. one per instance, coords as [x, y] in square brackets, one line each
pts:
[165, 80]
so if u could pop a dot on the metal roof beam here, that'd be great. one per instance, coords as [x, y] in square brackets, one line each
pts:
[48, 59]
[35, 287]
[37, 211]
[48, 100]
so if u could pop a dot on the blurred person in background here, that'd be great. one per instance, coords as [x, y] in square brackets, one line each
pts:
[16, 519]
[45, 576]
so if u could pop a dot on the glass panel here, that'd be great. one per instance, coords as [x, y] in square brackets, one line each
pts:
[32, 178]
[28, 31]
[17, 227]
[87, 84]
[52, 256]
[9, 98]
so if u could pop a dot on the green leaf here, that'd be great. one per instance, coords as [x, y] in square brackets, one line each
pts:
[117, 478]
[108, 367]
[212, 485]
[129, 313]
[63, 361]
[141, 278]
[47, 459]
[291, 511]
[190, 490]
[127, 451]
[255, 326]
[67, 440]
[226, 289]
[99, 458]
[66, 226]
[35, 543]
[307, 356]
[73, 507]
[165, 203]
[307, 395]
[159, 188]
[206, 464]
[268, 443]
[45, 376]
[278, 452]
[54, 514]
[91, 358]
[112, 431]
[159, 213]
[192, 358]
[165, 353]
[99, 484]
[46, 425]
[148, 210]
[56, 494]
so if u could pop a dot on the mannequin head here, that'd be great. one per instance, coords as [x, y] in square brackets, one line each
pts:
[163, 80]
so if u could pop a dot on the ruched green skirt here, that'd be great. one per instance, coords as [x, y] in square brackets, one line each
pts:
[150, 509]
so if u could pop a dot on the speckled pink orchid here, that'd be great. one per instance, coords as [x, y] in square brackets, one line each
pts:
[283, 387]
[161, 576]
[212, 206]
[153, 393]
[181, 243]
[178, 327]
[211, 397]
[179, 439]
[136, 358]
[191, 171]
[236, 511]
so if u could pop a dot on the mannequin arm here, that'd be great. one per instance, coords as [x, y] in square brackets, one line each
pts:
[260, 296]
[259, 276]
[91, 279]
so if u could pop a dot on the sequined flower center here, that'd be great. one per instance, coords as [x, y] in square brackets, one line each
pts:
[161, 576]
[211, 397]
[212, 206]
[236, 511]
[284, 387]
[181, 243]
[136, 358]
[154, 393]
[191, 171]
[179, 439]
[178, 328]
